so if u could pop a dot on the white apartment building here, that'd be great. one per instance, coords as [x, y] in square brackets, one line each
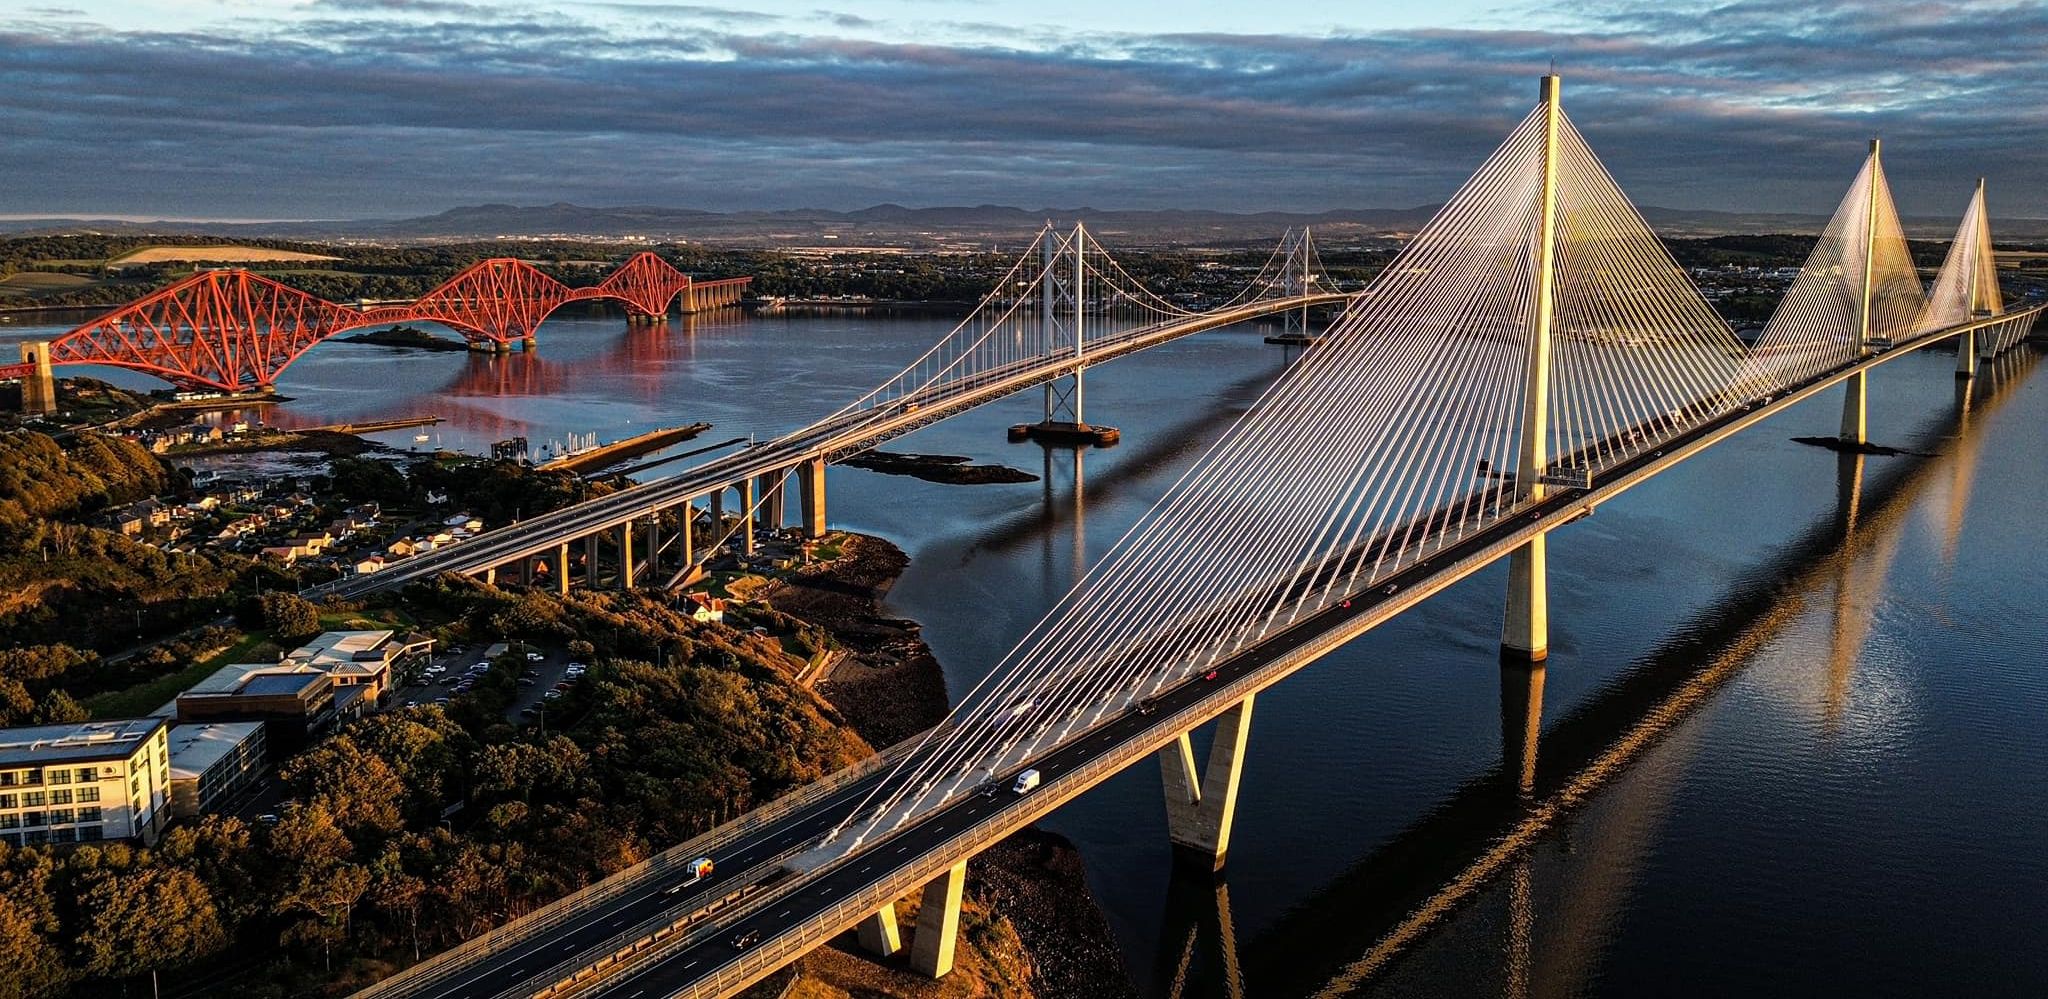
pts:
[85, 781]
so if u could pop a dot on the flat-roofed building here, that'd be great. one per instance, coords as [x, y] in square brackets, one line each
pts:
[360, 658]
[211, 761]
[295, 702]
[85, 781]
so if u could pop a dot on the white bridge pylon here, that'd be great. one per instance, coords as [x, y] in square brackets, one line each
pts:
[1538, 290]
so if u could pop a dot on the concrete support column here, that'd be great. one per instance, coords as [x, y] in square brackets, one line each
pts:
[562, 569]
[773, 489]
[938, 924]
[1855, 410]
[1966, 355]
[1199, 816]
[626, 555]
[747, 505]
[879, 934]
[689, 533]
[1526, 635]
[39, 386]
[590, 560]
[654, 546]
[810, 478]
[491, 576]
[717, 512]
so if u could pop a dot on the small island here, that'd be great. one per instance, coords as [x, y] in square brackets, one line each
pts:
[405, 336]
[951, 469]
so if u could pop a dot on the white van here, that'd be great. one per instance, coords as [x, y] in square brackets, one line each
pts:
[1025, 782]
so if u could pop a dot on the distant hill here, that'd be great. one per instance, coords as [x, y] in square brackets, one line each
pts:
[890, 225]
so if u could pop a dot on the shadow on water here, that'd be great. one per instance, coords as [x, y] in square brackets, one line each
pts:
[1359, 926]
[1160, 449]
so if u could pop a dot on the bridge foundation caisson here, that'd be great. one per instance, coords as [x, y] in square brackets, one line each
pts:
[38, 384]
[1199, 811]
[810, 479]
[1525, 636]
[938, 924]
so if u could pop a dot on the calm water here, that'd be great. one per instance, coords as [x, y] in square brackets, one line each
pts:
[1794, 729]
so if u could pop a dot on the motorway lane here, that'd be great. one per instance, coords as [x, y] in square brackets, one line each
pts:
[506, 969]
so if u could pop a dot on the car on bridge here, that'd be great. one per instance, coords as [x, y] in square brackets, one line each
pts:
[1025, 782]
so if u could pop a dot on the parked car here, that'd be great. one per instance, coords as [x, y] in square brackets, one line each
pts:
[534, 657]
[527, 681]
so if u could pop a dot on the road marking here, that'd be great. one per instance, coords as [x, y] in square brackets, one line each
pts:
[690, 965]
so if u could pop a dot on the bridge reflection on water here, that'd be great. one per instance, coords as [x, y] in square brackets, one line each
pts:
[1526, 881]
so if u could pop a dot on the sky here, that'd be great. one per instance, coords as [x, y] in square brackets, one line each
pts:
[291, 109]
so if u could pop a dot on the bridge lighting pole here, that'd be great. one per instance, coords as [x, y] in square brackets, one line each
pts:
[1855, 400]
[1526, 635]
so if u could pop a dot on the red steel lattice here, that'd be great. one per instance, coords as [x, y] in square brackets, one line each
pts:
[234, 330]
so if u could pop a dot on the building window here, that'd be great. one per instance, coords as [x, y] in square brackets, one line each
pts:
[60, 776]
[9, 778]
[86, 775]
[10, 800]
[10, 821]
[34, 798]
[34, 775]
[88, 794]
[61, 796]
[32, 818]
[90, 834]
[60, 816]
[89, 814]
[35, 837]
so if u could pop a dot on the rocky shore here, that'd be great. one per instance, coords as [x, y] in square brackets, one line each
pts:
[1028, 928]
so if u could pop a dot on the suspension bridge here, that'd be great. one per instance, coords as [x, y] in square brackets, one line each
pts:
[1064, 306]
[232, 330]
[1532, 353]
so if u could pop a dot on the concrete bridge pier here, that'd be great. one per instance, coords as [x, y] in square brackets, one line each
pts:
[810, 478]
[1199, 814]
[626, 555]
[773, 492]
[747, 506]
[689, 533]
[562, 569]
[590, 560]
[1525, 637]
[1966, 355]
[491, 576]
[654, 546]
[39, 386]
[1855, 410]
[938, 924]
[878, 934]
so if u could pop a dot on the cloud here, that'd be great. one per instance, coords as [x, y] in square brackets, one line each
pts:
[391, 107]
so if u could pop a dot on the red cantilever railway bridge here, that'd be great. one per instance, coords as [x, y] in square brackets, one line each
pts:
[233, 330]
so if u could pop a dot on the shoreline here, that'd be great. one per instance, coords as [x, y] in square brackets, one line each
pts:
[889, 686]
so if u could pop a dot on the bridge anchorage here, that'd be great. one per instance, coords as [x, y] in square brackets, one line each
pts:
[1532, 353]
[233, 330]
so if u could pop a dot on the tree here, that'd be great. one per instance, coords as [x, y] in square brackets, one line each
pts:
[289, 616]
[144, 921]
[34, 967]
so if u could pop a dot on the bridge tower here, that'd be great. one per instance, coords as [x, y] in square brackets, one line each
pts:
[38, 384]
[1974, 243]
[1526, 635]
[1855, 399]
[1065, 422]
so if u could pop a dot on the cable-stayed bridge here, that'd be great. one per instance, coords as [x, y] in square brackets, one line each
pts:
[1064, 306]
[1532, 353]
